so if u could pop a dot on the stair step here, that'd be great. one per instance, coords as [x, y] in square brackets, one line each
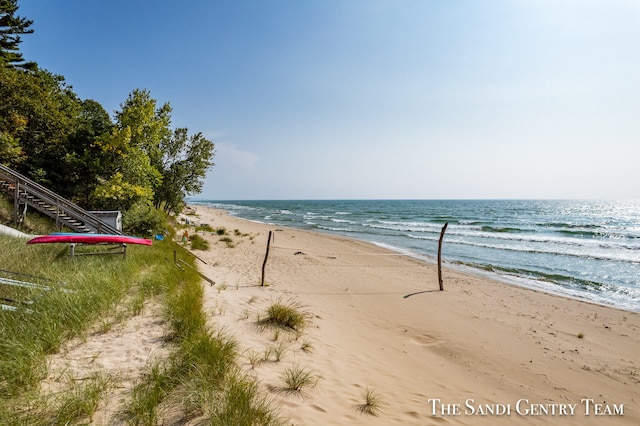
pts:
[58, 212]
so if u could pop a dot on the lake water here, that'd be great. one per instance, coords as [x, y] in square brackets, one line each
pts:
[584, 249]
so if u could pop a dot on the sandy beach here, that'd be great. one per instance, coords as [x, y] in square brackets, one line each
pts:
[480, 352]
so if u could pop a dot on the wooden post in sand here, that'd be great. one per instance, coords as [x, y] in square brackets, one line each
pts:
[444, 228]
[265, 259]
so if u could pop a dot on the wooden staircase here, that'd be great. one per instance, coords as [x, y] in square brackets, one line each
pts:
[26, 192]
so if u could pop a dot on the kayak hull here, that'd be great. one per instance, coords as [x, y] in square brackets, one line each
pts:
[81, 238]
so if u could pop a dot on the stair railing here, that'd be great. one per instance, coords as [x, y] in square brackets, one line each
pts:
[30, 191]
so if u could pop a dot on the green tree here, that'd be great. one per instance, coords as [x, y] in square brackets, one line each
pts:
[13, 122]
[130, 175]
[11, 27]
[149, 124]
[84, 160]
[38, 110]
[186, 160]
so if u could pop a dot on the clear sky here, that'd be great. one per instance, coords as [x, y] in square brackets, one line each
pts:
[329, 99]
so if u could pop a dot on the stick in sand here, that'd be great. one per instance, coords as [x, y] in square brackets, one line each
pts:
[265, 259]
[444, 228]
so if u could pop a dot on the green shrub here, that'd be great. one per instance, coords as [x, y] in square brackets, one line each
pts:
[143, 219]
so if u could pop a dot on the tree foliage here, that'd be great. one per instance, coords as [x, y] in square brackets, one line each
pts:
[11, 28]
[129, 176]
[38, 111]
[135, 163]
[186, 160]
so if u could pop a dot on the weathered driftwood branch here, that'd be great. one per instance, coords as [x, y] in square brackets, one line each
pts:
[444, 228]
[264, 264]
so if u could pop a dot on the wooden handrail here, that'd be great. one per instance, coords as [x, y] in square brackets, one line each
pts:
[23, 185]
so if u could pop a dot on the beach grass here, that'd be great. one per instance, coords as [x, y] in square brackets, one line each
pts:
[297, 378]
[372, 403]
[228, 241]
[68, 296]
[73, 296]
[287, 315]
[82, 401]
[198, 243]
[201, 372]
[204, 228]
[306, 346]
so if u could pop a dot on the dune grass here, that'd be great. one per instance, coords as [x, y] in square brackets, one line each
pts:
[228, 241]
[372, 403]
[85, 291]
[198, 243]
[297, 378]
[287, 315]
[202, 376]
[82, 401]
[72, 295]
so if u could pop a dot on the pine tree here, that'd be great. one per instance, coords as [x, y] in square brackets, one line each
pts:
[11, 27]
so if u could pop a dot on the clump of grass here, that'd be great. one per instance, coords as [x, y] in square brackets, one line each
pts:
[287, 316]
[580, 335]
[147, 395]
[221, 231]
[82, 402]
[254, 358]
[371, 402]
[267, 354]
[276, 334]
[279, 350]
[137, 304]
[184, 318]
[228, 241]
[297, 378]
[242, 404]
[198, 243]
[205, 228]
[237, 233]
[306, 346]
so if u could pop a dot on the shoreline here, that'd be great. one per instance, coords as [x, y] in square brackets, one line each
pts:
[379, 321]
[612, 286]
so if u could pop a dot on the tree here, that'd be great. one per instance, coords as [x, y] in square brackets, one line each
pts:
[11, 27]
[38, 111]
[151, 164]
[149, 124]
[130, 174]
[84, 160]
[12, 120]
[186, 161]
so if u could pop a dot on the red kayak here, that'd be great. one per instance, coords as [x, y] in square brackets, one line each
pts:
[81, 238]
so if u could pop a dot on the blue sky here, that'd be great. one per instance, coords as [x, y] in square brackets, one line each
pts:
[327, 99]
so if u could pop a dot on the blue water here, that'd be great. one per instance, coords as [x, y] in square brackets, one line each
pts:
[584, 249]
